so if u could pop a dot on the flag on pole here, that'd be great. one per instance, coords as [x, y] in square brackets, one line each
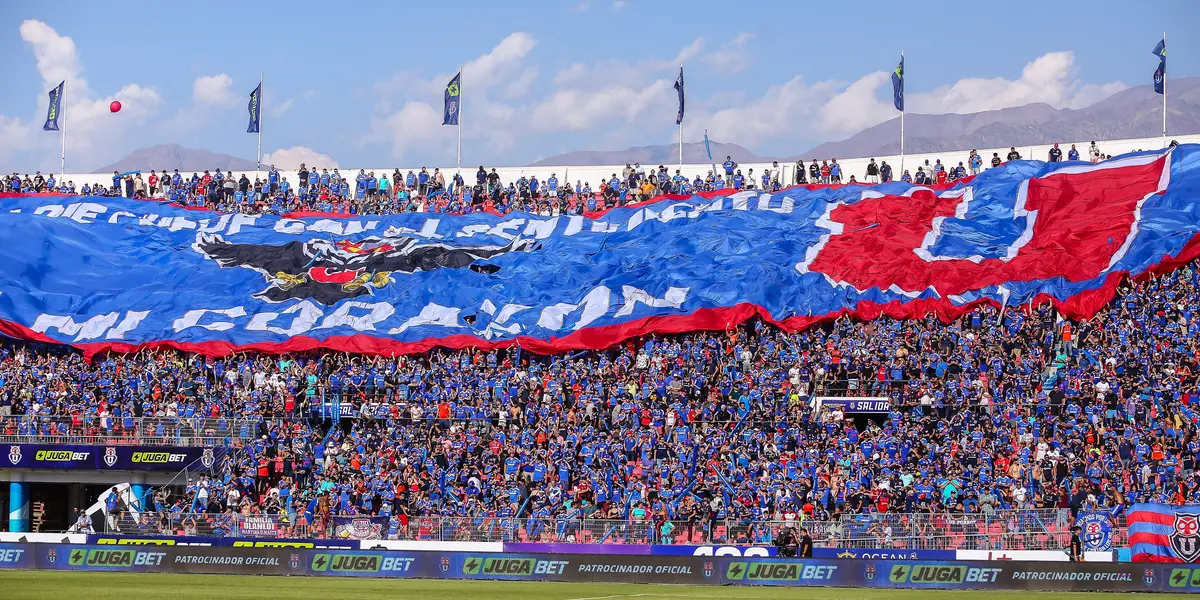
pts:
[1160, 74]
[255, 108]
[898, 86]
[707, 146]
[55, 108]
[679, 88]
[450, 115]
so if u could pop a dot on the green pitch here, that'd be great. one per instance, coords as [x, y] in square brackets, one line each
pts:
[16, 585]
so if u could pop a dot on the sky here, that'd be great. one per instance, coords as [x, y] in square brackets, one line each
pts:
[362, 85]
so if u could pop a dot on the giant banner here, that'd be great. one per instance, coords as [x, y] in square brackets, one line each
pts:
[1164, 533]
[103, 458]
[103, 273]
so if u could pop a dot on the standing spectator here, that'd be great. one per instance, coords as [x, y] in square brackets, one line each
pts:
[872, 172]
[1013, 154]
[1072, 154]
[1094, 153]
[975, 162]
[1055, 154]
[996, 159]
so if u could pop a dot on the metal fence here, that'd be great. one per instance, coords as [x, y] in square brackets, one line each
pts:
[141, 431]
[1003, 531]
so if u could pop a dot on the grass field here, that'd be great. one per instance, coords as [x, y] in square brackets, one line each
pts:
[16, 585]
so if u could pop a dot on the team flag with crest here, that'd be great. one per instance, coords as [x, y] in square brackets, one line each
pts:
[1160, 74]
[450, 113]
[255, 108]
[898, 86]
[55, 108]
[679, 88]
[1164, 533]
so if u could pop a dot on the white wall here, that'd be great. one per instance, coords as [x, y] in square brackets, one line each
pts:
[595, 174]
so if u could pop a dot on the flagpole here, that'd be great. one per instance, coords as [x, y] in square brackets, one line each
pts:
[260, 96]
[62, 129]
[460, 70]
[1164, 94]
[902, 117]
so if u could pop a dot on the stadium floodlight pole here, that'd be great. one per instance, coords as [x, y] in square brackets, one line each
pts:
[260, 82]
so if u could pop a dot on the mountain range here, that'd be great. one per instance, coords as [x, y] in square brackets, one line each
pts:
[167, 157]
[1131, 113]
[1128, 114]
[693, 153]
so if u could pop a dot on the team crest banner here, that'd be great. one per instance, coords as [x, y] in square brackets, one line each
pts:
[1164, 533]
[114, 274]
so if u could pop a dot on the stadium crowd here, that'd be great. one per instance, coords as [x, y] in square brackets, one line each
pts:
[323, 190]
[993, 411]
[1000, 409]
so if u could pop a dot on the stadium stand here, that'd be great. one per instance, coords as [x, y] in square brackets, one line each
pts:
[1017, 417]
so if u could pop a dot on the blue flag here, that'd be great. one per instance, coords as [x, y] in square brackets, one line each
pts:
[1160, 74]
[898, 86]
[450, 116]
[55, 108]
[255, 108]
[679, 88]
[707, 146]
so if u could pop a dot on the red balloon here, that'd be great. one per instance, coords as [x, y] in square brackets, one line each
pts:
[114, 107]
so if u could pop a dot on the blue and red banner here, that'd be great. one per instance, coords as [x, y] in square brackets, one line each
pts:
[114, 274]
[1164, 533]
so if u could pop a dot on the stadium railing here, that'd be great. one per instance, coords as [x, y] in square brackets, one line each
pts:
[140, 431]
[1008, 530]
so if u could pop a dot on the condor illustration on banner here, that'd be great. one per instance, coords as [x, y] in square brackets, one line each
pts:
[114, 274]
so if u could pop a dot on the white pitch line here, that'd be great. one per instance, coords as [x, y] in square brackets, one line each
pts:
[605, 597]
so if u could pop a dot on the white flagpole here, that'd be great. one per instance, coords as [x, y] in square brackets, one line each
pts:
[62, 129]
[460, 70]
[902, 75]
[1164, 95]
[259, 115]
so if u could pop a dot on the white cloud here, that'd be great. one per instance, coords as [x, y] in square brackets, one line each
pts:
[491, 68]
[522, 84]
[214, 90]
[583, 5]
[857, 106]
[619, 4]
[1051, 78]
[418, 120]
[832, 108]
[576, 110]
[280, 109]
[732, 56]
[94, 132]
[291, 158]
[689, 51]
[617, 103]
